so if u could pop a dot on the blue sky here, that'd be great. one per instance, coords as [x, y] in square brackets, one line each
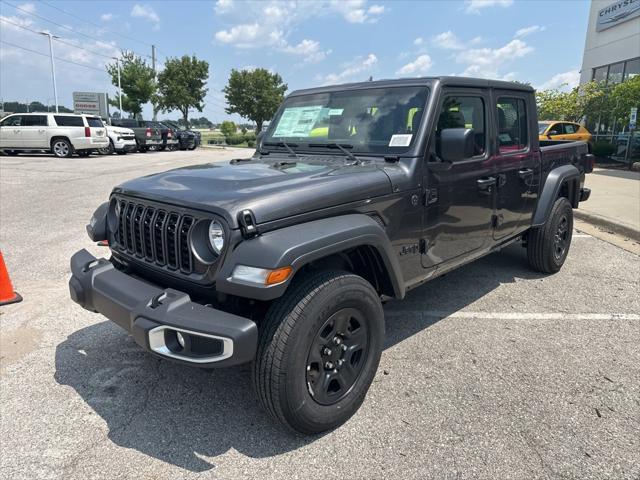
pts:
[308, 42]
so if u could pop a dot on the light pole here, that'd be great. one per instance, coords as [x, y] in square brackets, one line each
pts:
[53, 67]
[119, 89]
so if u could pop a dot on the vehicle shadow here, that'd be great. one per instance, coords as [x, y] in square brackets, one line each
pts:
[180, 414]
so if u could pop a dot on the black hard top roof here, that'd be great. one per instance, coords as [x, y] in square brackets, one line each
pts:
[427, 81]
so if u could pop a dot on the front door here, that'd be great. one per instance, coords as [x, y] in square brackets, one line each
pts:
[517, 165]
[459, 201]
[11, 132]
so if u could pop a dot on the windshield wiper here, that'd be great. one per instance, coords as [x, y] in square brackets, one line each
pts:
[342, 148]
[285, 145]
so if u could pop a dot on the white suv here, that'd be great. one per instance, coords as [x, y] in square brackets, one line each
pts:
[61, 133]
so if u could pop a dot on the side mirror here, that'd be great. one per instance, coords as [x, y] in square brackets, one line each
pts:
[456, 144]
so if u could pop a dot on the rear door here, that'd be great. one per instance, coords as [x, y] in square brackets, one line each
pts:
[34, 131]
[517, 161]
[459, 200]
[11, 132]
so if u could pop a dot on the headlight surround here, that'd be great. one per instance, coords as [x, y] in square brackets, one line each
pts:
[216, 237]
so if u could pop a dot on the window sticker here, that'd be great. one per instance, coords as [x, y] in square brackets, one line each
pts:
[297, 121]
[400, 140]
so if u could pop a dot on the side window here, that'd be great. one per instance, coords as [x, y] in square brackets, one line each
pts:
[68, 121]
[463, 112]
[512, 125]
[569, 128]
[12, 121]
[556, 129]
[94, 122]
[34, 121]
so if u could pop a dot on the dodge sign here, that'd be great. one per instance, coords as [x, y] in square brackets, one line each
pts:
[91, 103]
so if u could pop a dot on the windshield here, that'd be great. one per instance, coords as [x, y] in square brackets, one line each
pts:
[374, 120]
[542, 126]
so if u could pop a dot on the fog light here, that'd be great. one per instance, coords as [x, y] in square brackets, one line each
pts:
[180, 339]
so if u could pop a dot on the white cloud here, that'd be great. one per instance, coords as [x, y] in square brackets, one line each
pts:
[147, 12]
[106, 17]
[250, 35]
[27, 8]
[474, 6]
[309, 49]
[420, 65]
[562, 81]
[224, 6]
[488, 62]
[356, 11]
[448, 40]
[523, 32]
[418, 41]
[357, 66]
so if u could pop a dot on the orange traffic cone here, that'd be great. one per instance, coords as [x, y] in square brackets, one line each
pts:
[7, 295]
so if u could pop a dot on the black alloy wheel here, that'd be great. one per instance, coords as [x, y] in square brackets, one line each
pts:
[336, 356]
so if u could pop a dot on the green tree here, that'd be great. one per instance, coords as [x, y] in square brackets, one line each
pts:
[582, 101]
[254, 94]
[181, 85]
[228, 128]
[624, 96]
[138, 82]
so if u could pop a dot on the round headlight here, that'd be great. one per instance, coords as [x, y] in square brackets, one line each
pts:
[216, 237]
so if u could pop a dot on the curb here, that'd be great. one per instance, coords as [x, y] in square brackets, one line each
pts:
[602, 222]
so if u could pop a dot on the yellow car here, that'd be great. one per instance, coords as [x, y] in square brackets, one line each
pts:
[555, 130]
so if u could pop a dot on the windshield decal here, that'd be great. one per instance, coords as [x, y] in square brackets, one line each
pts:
[297, 121]
[403, 140]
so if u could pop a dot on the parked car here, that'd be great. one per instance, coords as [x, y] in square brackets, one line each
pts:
[284, 259]
[555, 130]
[62, 134]
[187, 139]
[121, 141]
[146, 136]
[169, 140]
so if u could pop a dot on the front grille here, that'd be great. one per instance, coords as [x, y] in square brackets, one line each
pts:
[155, 235]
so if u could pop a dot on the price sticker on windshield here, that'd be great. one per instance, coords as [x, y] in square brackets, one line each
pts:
[403, 140]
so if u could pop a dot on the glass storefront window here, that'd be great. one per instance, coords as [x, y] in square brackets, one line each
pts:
[600, 74]
[632, 69]
[615, 73]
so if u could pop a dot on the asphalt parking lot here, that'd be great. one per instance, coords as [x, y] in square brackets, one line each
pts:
[490, 372]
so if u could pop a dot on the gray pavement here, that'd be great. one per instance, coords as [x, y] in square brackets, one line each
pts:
[489, 372]
[615, 202]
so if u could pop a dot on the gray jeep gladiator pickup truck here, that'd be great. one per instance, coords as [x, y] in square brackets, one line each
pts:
[356, 194]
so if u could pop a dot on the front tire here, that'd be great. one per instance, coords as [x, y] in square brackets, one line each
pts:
[319, 349]
[108, 150]
[548, 245]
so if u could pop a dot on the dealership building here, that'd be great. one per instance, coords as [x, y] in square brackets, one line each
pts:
[612, 55]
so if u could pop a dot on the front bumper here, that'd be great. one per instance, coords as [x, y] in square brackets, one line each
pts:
[154, 315]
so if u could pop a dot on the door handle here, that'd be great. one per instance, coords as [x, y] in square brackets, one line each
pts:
[16, 130]
[41, 130]
[486, 182]
[525, 172]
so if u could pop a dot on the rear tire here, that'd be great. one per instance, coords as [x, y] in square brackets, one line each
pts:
[548, 245]
[319, 350]
[61, 148]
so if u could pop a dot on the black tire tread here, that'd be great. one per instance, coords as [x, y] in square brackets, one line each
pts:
[278, 324]
[538, 251]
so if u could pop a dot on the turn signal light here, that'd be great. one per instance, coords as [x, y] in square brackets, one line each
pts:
[278, 276]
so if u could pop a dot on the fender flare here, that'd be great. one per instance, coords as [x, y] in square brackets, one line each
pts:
[551, 189]
[298, 245]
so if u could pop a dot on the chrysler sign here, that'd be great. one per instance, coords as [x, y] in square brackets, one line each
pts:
[616, 13]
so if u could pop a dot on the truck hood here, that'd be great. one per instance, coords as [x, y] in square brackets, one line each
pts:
[269, 190]
[119, 130]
